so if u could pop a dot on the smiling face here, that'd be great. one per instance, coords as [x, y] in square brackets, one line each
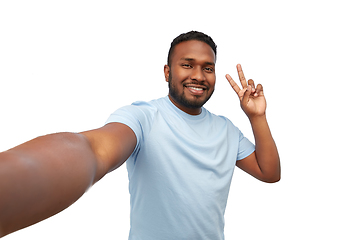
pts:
[191, 76]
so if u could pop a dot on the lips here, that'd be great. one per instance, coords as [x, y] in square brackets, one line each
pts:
[196, 89]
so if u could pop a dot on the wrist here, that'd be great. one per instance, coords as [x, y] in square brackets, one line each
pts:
[257, 118]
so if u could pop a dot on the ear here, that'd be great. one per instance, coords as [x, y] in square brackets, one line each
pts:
[166, 72]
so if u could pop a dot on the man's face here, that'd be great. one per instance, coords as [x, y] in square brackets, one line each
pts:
[191, 76]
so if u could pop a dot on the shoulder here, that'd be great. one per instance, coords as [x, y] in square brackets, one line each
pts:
[140, 110]
[227, 125]
[144, 106]
[219, 119]
[138, 116]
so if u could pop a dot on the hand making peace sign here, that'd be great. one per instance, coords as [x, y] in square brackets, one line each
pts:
[252, 100]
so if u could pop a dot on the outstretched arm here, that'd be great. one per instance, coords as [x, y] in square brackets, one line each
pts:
[264, 163]
[47, 174]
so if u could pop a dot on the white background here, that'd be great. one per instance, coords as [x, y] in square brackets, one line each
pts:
[66, 65]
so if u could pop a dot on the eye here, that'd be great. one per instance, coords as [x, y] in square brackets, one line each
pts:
[185, 65]
[209, 69]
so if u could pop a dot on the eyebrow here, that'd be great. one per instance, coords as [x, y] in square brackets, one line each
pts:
[192, 60]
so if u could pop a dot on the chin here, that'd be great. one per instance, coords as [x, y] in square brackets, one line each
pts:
[192, 103]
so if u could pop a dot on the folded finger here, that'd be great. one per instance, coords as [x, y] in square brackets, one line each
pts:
[259, 90]
[252, 84]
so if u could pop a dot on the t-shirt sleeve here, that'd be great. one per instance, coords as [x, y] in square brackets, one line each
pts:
[136, 116]
[245, 147]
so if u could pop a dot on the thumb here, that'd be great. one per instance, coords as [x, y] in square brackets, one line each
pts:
[246, 96]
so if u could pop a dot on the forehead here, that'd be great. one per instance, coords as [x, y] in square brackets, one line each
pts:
[194, 49]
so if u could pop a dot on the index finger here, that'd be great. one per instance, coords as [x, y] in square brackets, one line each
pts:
[241, 76]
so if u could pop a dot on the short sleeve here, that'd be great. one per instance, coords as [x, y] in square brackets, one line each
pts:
[245, 147]
[136, 116]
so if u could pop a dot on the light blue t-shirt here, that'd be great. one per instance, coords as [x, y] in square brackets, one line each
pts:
[180, 171]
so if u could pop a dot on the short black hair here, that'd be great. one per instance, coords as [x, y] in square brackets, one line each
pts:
[192, 35]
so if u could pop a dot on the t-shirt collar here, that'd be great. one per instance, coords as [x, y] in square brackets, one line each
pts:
[184, 114]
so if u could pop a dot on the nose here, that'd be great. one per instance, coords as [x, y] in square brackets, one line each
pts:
[197, 74]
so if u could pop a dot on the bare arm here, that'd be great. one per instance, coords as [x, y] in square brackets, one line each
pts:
[264, 163]
[47, 174]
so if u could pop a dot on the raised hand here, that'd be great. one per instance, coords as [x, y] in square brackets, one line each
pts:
[252, 100]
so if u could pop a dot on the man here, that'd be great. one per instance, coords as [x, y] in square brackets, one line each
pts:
[180, 157]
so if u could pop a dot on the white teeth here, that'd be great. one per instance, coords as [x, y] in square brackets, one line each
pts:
[195, 88]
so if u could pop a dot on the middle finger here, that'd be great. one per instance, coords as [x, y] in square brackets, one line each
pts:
[241, 76]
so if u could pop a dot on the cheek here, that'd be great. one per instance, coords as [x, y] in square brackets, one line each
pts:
[182, 75]
[212, 81]
[177, 76]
